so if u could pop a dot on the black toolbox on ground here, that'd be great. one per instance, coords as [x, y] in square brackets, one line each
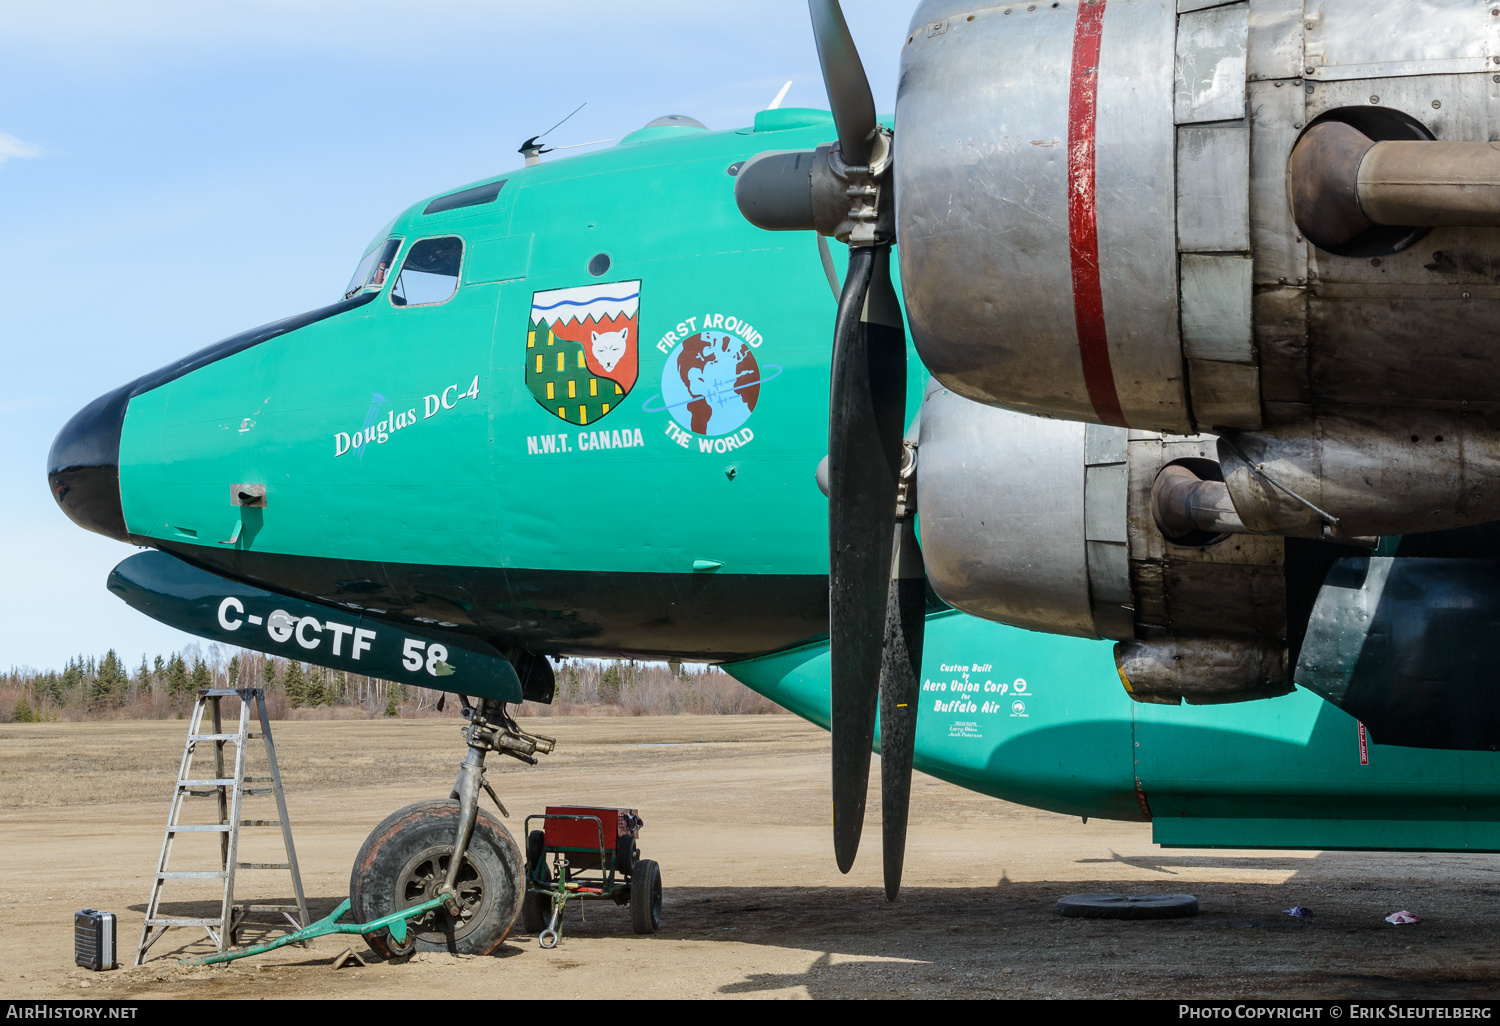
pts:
[94, 939]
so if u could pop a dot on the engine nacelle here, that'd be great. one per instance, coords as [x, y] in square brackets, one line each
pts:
[1038, 258]
[1017, 525]
[1275, 221]
[1051, 526]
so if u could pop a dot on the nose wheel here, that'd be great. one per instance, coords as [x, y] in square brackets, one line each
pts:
[422, 878]
[452, 851]
[405, 862]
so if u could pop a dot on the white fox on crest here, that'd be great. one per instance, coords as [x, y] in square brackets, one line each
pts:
[609, 347]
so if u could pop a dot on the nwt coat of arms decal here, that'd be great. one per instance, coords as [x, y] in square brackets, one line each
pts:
[582, 349]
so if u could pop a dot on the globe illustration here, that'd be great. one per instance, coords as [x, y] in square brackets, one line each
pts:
[711, 383]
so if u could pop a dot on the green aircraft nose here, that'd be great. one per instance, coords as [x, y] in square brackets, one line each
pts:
[84, 465]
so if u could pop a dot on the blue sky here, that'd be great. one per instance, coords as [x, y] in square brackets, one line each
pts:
[175, 172]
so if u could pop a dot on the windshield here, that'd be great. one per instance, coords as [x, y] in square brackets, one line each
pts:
[430, 274]
[372, 270]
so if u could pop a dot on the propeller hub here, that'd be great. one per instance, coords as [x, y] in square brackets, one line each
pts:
[860, 193]
[816, 190]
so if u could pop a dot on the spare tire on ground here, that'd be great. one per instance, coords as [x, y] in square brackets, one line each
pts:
[1124, 906]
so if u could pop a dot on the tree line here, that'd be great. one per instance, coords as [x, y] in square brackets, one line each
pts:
[105, 686]
[163, 687]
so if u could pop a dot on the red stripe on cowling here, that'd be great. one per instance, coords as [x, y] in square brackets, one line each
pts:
[1083, 228]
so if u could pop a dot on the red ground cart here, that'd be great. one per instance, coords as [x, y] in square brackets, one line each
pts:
[587, 852]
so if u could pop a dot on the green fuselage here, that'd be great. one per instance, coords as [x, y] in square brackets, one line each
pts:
[1044, 721]
[621, 482]
[649, 528]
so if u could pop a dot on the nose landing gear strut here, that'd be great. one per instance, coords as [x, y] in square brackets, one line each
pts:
[490, 729]
[450, 850]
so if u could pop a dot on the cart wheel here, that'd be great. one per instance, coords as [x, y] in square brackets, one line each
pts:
[386, 945]
[405, 860]
[535, 907]
[534, 911]
[536, 849]
[625, 854]
[645, 897]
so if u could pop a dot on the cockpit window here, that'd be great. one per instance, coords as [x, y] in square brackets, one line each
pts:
[430, 273]
[373, 269]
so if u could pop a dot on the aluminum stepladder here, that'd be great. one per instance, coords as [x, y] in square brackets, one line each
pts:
[227, 789]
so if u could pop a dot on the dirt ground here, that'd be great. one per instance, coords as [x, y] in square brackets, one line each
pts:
[736, 812]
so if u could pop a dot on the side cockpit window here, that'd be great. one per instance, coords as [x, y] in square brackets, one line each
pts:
[430, 273]
[374, 268]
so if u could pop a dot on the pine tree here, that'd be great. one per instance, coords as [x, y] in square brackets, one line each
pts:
[202, 678]
[176, 675]
[268, 675]
[158, 671]
[118, 675]
[317, 691]
[49, 685]
[295, 684]
[72, 678]
[23, 713]
[143, 674]
[232, 674]
[391, 709]
[609, 683]
[108, 686]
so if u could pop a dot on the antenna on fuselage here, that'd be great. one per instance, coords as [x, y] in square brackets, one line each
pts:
[574, 146]
[532, 149]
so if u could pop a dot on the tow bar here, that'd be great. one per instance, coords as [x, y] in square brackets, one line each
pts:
[395, 922]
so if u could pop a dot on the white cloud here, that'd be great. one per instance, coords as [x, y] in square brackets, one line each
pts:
[10, 147]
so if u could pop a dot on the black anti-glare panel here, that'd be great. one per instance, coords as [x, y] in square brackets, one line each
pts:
[468, 198]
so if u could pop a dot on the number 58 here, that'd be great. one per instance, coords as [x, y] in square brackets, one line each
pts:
[411, 655]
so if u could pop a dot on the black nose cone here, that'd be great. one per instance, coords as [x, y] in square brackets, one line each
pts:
[84, 466]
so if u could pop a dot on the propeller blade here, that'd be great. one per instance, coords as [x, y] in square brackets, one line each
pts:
[844, 76]
[867, 411]
[900, 685]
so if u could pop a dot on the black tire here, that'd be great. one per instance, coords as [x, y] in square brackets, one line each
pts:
[403, 861]
[536, 848]
[536, 909]
[625, 854]
[645, 897]
[1121, 906]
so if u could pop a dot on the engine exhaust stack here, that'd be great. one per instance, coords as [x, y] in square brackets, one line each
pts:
[1184, 504]
[1343, 183]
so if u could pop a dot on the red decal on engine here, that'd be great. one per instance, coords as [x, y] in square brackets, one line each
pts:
[1083, 229]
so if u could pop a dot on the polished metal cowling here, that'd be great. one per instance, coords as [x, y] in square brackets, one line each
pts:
[1273, 220]
[1034, 208]
[1053, 525]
